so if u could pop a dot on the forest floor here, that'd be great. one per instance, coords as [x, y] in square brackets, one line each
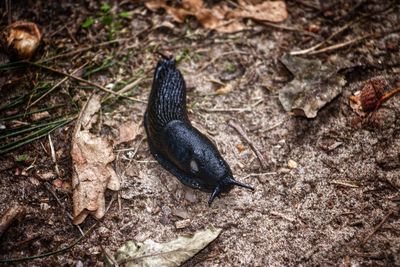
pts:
[327, 192]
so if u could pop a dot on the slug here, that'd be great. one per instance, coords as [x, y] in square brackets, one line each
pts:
[179, 147]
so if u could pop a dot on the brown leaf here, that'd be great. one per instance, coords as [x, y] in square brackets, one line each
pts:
[128, 131]
[92, 172]
[178, 14]
[214, 18]
[274, 11]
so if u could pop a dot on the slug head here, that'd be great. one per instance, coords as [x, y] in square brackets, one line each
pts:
[224, 185]
[164, 66]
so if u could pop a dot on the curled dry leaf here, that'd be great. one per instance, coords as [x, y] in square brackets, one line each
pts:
[22, 39]
[170, 254]
[92, 172]
[221, 17]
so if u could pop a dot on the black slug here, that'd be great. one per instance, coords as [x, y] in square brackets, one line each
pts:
[179, 147]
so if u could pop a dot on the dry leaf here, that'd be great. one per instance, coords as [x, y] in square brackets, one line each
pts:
[92, 172]
[178, 14]
[128, 131]
[227, 88]
[314, 85]
[274, 11]
[210, 18]
[170, 254]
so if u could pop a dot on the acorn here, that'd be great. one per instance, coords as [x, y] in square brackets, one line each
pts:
[22, 39]
[372, 93]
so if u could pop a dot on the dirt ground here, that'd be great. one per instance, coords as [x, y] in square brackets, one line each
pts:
[338, 206]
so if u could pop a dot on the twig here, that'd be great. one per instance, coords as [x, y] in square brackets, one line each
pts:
[287, 28]
[15, 211]
[378, 227]
[241, 132]
[308, 50]
[344, 183]
[53, 155]
[102, 88]
[341, 45]
[84, 49]
[390, 94]
[55, 86]
[283, 216]
[109, 256]
[52, 252]
[225, 109]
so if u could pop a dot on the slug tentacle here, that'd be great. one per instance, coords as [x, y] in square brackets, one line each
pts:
[179, 147]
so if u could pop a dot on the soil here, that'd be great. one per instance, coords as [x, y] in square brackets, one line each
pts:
[338, 206]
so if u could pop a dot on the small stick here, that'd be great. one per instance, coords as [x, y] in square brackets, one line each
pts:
[14, 212]
[55, 86]
[340, 45]
[77, 51]
[226, 109]
[109, 256]
[389, 94]
[344, 183]
[312, 48]
[378, 227]
[102, 88]
[283, 216]
[53, 156]
[241, 132]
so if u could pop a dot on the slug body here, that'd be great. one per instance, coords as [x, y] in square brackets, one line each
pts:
[179, 147]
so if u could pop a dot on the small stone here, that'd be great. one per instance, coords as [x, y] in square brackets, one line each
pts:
[292, 164]
[57, 183]
[44, 206]
[46, 175]
[182, 224]
[181, 213]
[190, 196]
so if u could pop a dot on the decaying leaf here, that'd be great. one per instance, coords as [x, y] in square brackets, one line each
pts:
[92, 172]
[222, 17]
[274, 11]
[170, 254]
[314, 85]
[128, 131]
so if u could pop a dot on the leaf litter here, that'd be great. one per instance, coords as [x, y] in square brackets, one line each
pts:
[92, 156]
[221, 17]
